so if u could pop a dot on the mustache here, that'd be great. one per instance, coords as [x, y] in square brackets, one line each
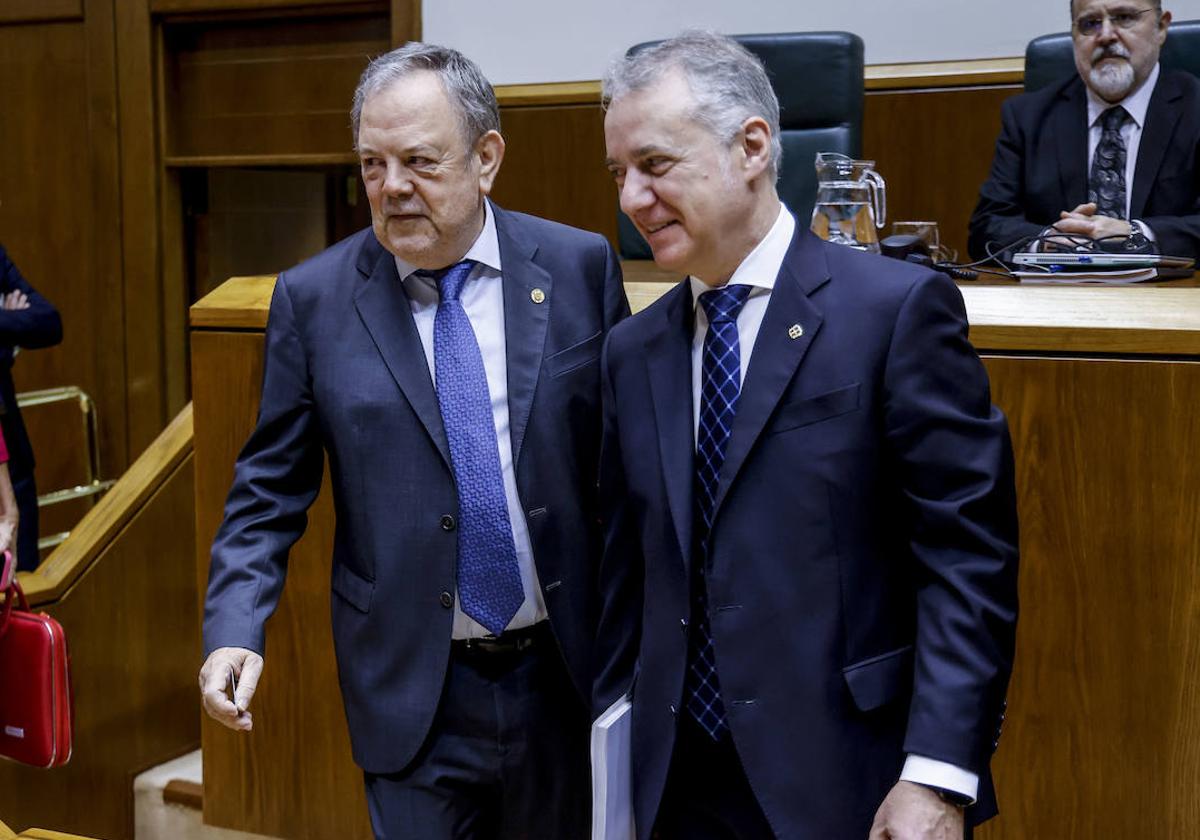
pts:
[1109, 51]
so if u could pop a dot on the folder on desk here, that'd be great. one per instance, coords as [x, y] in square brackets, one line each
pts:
[612, 782]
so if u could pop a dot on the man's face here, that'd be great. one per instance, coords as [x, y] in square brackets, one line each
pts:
[679, 184]
[1113, 61]
[425, 184]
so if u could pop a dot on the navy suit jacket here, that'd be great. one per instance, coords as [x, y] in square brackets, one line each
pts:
[345, 377]
[32, 328]
[1040, 166]
[862, 593]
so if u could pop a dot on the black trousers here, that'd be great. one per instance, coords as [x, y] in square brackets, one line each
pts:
[708, 797]
[26, 550]
[506, 758]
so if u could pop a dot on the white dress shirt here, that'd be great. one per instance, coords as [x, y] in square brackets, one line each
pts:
[759, 270]
[482, 298]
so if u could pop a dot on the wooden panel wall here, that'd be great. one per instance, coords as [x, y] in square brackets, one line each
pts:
[59, 207]
[934, 148]
[1103, 731]
[554, 166]
[250, 87]
[29, 11]
[293, 775]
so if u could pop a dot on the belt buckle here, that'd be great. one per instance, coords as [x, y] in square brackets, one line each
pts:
[516, 643]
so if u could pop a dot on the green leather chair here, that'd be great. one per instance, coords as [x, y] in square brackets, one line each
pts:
[1051, 58]
[818, 77]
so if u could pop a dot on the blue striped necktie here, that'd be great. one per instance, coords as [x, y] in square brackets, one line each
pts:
[489, 579]
[720, 385]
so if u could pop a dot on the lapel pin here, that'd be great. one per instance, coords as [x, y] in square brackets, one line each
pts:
[795, 331]
[537, 296]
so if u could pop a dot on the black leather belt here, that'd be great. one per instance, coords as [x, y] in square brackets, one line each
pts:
[508, 642]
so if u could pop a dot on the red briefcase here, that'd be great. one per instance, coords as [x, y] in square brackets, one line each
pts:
[35, 685]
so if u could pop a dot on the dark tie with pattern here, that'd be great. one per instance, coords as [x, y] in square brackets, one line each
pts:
[720, 384]
[489, 579]
[1106, 184]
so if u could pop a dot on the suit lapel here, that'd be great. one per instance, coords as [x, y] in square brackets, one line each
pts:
[385, 312]
[525, 322]
[1161, 118]
[1070, 131]
[669, 364]
[777, 352]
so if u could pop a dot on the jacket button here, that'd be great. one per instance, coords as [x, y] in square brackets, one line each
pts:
[683, 625]
[447, 600]
[447, 522]
[672, 708]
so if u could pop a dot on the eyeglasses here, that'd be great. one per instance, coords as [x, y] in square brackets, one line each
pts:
[1092, 24]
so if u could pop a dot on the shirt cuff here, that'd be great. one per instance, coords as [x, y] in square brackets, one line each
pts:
[940, 774]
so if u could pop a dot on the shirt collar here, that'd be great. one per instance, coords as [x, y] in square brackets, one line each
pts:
[485, 249]
[761, 266]
[1136, 104]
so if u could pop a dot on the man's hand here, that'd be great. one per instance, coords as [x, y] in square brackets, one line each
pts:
[246, 666]
[915, 812]
[16, 299]
[1083, 221]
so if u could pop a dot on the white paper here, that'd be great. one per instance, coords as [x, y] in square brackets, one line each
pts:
[1108, 278]
[612, 783]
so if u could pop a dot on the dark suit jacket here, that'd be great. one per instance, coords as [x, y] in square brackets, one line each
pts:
[862, 593]
[345, 376]
[37, 326]
[1040, 167]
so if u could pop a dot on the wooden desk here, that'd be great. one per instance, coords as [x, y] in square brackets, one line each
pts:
[1101, 387]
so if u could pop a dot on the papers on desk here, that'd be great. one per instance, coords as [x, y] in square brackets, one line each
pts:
[612, 782]
[1119, 277]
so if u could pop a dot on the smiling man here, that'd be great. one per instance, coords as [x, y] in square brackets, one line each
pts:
[1110, 153]
[809, 576]
[446, 361]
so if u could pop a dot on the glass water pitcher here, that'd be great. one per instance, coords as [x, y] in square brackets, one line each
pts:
[851, 201]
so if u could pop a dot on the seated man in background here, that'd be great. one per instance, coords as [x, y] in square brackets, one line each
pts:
[1111, 153]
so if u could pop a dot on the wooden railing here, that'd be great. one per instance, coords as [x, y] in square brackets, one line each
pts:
[6, 833]
[123, 585]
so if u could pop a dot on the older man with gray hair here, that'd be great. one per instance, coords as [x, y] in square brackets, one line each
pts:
[446, 362]
[1111, 153]
[809, 581]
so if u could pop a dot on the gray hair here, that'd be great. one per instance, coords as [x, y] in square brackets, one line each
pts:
[728, 82]
[465, 85]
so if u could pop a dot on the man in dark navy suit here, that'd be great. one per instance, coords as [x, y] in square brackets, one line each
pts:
[811, 561]
[447, 363]
[1108, 153]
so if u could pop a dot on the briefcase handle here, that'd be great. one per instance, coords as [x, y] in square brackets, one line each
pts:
[6, 610]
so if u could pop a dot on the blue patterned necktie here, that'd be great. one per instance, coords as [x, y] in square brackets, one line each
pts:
[720, 385]
[1106, 183]
[489, 579]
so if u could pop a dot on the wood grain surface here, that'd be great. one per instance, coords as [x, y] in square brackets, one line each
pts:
[293, 775]
[1103, 731]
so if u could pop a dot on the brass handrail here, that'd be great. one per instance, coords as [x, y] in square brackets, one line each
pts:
[87, 410]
